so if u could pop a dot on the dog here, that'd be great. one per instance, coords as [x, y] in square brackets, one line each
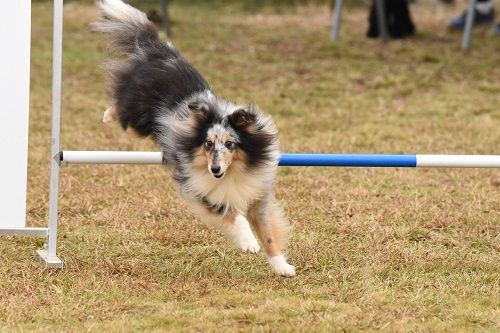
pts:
[223, 156]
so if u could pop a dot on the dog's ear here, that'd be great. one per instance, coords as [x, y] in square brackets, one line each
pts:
[199, 111]
[242, 118]
[198, 105]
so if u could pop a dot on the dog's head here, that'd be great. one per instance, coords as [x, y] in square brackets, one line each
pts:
[224, 136]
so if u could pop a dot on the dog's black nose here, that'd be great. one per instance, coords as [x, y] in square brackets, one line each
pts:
[215, 169]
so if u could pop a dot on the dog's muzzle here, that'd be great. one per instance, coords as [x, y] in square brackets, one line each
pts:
[216, 171]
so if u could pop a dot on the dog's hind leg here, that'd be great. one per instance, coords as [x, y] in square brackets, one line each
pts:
[110, 115]
[132, 132]
[272, 229]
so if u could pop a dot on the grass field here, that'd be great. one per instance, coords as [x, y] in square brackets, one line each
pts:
[390, 249]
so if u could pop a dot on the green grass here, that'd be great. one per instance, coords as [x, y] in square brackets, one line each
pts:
[389, 249]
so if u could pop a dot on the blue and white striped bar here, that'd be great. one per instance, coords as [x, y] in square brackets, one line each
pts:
[391, 160]
[333, 160]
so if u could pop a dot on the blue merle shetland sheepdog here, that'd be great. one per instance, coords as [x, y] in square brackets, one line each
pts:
[223, 156]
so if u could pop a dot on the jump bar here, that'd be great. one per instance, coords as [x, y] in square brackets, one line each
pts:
[110, 157]
[335, 160]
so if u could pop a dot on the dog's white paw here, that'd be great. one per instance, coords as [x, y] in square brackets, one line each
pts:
[280, 266]
[249, 245]
[242, 236]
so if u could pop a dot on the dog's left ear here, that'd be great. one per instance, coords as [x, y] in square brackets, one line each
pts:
[242, 118]
[198, 105]
[200, 111]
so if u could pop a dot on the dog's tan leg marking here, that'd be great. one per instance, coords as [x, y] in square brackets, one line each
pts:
[272, 229]
[132, 132]
[110, 115]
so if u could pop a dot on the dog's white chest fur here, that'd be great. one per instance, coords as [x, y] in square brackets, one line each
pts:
[237, 189]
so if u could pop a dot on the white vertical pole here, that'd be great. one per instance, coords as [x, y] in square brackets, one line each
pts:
[50, 256]
[469, 24]
[166, 18]
[336, 19]
[381, 20]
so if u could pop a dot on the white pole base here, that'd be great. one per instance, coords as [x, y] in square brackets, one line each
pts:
[50, 261]
[42, 232]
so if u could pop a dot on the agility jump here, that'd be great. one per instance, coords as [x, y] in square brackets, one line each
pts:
[300, 159]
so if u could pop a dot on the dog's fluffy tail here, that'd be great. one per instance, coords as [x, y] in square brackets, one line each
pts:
[130, 31]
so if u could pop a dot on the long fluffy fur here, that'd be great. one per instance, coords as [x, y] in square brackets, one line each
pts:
[157, 93]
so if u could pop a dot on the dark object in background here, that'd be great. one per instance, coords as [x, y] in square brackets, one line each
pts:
[399, 23]
[154, 17]
[163, 18]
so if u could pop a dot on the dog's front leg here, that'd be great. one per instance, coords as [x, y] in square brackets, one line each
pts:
[234, 226]
[237, 229]
[272, 229]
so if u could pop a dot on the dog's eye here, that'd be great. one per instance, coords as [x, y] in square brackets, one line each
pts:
[229, 144]
[209, 143]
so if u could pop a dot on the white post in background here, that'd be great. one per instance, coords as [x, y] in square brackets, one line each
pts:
[469, 24]
[336, 19]
[49, 255]
[15, 29]
[380, 6]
